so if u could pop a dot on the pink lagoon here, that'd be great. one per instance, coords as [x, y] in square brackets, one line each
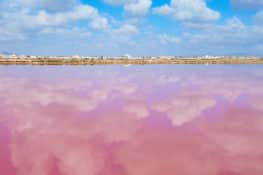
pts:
[137, 120]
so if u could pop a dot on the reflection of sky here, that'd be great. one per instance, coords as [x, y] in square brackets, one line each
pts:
[140, 120]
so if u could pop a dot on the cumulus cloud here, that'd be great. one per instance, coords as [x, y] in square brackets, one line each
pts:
[138, 8]
[188, 11]
[167, 39]
[133, 8]
[82, 12]
[70, 33]
[30, 17]
[126, 29]
[232, 33]
[32, 27]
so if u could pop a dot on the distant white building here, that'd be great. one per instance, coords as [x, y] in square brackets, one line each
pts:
[128, 56]
[33, 57]
[76, 56]
[13, 56]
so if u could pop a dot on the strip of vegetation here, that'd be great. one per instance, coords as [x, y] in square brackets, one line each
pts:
[141, 61]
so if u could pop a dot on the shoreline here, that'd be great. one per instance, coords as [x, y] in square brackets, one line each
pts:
[144, 61]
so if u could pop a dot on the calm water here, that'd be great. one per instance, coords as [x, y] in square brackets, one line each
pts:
[138, 120]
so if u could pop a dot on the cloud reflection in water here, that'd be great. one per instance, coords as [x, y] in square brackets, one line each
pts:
[96, 122]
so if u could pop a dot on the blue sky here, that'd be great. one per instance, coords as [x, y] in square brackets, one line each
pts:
[135, 27]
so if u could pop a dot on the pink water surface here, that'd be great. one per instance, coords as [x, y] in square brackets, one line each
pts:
[138, 120]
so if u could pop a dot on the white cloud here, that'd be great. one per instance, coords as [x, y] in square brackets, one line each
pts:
[218, 38]
[32, 25]
[74, 33]
[133, 8]
[29, 20]
[188, 11]
[138, 8]
[167, 39]
[10, 35]
[82, 12]
[127, 29]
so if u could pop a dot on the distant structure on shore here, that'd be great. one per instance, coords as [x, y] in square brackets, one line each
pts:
[126, 56]
[126, 59]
